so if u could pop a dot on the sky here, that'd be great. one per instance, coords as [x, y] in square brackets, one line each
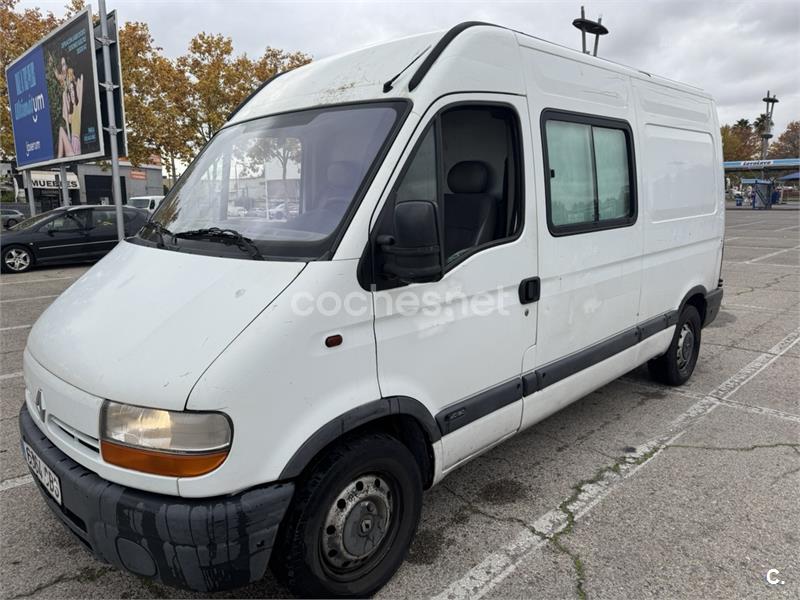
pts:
[734, 50]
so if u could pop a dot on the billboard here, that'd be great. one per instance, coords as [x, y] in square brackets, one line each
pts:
[54, 97]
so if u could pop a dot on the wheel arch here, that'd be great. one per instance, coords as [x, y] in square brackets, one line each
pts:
[697, 298]
[402, 416]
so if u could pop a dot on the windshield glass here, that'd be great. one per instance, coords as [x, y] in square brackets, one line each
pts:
[139, 202]
[286, 182]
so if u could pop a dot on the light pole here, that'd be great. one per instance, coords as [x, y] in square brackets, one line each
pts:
[766, 134]
[766, 128]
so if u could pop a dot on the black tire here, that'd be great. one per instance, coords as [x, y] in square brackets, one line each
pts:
[16, 259]
[677, 365]
[10, 223]
[312, 557]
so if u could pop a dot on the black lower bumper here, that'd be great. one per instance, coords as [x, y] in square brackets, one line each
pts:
[713, 304]
[199, 544]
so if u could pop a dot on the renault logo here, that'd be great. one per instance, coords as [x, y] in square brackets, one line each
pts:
[39, 405]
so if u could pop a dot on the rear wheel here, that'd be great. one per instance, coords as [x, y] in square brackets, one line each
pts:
[677, 365]
[352, 520]
[10, 223]
[17, 259]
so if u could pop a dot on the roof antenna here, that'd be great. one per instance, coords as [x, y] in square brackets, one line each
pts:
[589, 26]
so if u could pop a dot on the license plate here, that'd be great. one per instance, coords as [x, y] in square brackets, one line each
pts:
[43, 473]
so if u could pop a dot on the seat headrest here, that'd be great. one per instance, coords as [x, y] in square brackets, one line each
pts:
[468, 177]
[342, 173]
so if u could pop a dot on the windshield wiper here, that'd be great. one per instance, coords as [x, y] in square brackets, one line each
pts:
[161, 231]
[226, 236]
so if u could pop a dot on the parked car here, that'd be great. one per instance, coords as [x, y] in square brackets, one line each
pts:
[11, 217]
[281, 393]
[149, 203]
[64, 235]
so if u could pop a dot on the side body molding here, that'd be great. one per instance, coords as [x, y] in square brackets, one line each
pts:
[352, 419]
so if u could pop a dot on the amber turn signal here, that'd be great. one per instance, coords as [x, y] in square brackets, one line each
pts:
[170, 464]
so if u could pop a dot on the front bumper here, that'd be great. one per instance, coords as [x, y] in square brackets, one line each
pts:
[204, 545]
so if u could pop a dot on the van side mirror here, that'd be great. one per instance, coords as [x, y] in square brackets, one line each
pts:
[413, 254]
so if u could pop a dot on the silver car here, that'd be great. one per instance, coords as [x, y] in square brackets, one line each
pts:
[11, 217]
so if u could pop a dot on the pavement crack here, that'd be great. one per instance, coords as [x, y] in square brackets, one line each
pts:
[555, 539]
[613, 470]
[86, 574]
[784, 475]
[474, 508]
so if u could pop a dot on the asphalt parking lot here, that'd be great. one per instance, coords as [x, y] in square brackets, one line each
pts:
[635, 491]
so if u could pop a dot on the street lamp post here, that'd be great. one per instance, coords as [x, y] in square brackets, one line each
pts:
[766, 128]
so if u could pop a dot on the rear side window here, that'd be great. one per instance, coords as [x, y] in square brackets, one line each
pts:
[105, 218]
[589, 173]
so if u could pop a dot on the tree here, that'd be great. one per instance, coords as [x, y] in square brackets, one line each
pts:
[219, 80]
[739, 141]
[155, 99]
[788, 143]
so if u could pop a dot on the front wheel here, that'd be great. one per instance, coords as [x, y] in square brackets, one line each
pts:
[10, 223]
[17, 259]
[352, 519]
[677, 365]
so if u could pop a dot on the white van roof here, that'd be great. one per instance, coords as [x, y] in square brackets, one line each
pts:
[470, 56]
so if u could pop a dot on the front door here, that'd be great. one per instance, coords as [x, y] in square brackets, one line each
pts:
[456, 344]
[67, 236]
[103, 236]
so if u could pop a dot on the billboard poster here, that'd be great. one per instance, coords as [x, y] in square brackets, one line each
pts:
[54, 97]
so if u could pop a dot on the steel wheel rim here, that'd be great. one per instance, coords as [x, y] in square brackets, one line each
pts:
[17, 259]
[359, 525]
[685, 350]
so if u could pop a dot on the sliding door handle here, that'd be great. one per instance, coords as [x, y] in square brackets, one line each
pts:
[529, 290]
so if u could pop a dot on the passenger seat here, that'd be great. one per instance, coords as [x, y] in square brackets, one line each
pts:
[470, 212]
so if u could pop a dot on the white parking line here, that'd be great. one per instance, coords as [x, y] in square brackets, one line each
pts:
[29, 298]
[770, 255]
[11, 375]
[499, 565]
[748, 224]
[761, 410]
[35, 280]
[755, 247]
[10, 484]
[16, 327]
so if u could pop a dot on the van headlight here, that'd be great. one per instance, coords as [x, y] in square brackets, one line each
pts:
[163, 442]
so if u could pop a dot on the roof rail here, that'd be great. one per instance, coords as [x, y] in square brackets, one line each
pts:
[439, 48]
[253, 93]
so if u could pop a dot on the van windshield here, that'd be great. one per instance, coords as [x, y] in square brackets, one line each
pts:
[286, 182]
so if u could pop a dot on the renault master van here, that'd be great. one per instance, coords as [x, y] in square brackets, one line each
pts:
[479, 228]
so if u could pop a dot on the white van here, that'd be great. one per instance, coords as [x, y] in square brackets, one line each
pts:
[481, 228]
[149, 203]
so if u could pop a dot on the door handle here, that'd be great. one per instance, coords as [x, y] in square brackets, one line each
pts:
[529, 290]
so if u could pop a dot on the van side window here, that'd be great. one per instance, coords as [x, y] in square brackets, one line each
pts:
[589, 173]
[472, 172]
[419, 180]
